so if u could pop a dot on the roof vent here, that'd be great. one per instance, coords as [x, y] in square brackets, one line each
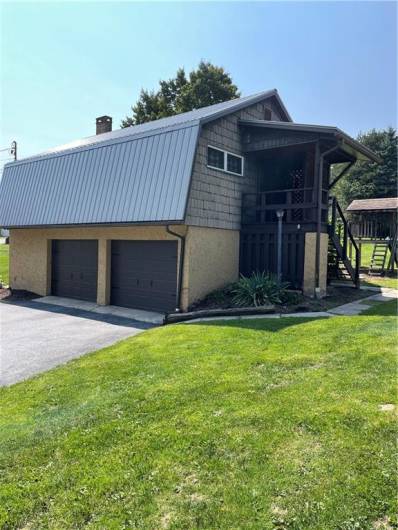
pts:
[103, 124]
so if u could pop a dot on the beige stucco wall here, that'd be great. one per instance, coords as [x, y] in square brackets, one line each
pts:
[211, 256]
[211, 261]
[30, 253]
[309, 264]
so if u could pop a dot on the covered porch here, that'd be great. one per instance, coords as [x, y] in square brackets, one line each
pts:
[291, 201]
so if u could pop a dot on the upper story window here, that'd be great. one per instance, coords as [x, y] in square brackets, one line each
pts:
[234, 164]
[267, 114]
[225, 161]
[215, 158]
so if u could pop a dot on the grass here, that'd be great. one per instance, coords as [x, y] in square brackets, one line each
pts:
[383, 281]
[382, 309]
[366, 254]
[380, 281]
[4, 249]
[231, 425]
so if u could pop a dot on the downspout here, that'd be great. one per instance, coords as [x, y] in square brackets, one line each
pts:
[180, 265]
[320, 158]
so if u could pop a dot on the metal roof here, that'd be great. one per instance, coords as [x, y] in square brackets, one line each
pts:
[137, 180]
[388, 203]
[202, 115]
[137, 174]
[361, 151]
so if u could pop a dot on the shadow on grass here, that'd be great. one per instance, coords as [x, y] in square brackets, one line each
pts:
[260, 324]
[386, 309]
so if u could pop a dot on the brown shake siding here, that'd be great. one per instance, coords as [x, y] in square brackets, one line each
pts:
[215, 196]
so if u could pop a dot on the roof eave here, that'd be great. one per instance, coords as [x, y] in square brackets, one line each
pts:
[364, 153]
[353, 147]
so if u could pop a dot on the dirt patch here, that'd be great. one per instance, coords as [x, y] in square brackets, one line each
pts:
[383, 524]
[385, 407]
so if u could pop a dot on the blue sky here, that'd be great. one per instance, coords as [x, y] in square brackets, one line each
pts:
[63, 64]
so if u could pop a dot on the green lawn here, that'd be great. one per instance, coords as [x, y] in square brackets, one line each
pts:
[4, 263]
[366, 254]
[242, 425]
[382, 308]
[380, 281]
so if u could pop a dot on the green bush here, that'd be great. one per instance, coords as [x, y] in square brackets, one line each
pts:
[259, 289]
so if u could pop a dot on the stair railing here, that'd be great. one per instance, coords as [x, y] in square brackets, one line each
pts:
[341, 235]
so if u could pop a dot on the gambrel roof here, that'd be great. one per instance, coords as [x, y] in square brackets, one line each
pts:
[132, 175]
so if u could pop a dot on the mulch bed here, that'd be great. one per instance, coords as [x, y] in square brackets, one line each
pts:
[336, 295]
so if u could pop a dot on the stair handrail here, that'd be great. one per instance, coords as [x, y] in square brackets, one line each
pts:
[347, 235]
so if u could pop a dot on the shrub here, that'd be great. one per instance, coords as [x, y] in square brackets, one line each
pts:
[259, 289]
[221, 297]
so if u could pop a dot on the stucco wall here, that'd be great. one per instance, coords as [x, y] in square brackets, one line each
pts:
[309, 264]
[211, 256]
[30, 253]
[215, 196]
[211, 261]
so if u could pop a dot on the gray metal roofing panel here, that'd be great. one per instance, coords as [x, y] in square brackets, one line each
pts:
[203, 115]
[137, 174]
[138, 179]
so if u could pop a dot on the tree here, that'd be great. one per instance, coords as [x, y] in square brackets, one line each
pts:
[207, 85]
[370, 180]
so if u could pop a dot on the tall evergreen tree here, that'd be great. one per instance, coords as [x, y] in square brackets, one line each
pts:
[207, 85]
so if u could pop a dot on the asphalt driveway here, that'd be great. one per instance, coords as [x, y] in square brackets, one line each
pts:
[35, 337]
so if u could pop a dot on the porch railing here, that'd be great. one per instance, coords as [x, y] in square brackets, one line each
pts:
[299, 205]
[372, 229]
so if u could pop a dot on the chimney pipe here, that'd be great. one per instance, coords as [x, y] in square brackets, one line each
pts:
[103, 124]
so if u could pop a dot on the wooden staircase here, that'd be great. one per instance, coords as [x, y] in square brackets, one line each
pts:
[340, 266]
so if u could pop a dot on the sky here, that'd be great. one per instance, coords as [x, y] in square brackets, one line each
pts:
[64, 64]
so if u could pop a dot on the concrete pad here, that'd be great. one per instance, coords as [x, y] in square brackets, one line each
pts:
[35, 337]
[383, 297]
[134, 314]
[66, 302]
[123, 312]
[307, 314]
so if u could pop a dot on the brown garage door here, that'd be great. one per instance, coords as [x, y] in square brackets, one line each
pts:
[75, 269]
[144, 274]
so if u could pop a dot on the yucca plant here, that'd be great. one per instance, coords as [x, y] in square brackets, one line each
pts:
[261, 288]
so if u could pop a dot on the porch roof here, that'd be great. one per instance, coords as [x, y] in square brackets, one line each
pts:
[348, 145]
[373, 205]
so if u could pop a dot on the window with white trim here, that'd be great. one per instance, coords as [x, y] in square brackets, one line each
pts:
[215, 158]
[224, 161]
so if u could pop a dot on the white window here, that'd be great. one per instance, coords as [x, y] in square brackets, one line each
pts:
[224, 161]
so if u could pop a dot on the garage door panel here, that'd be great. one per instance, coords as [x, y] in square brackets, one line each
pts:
[75, 269]
[144, 274]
